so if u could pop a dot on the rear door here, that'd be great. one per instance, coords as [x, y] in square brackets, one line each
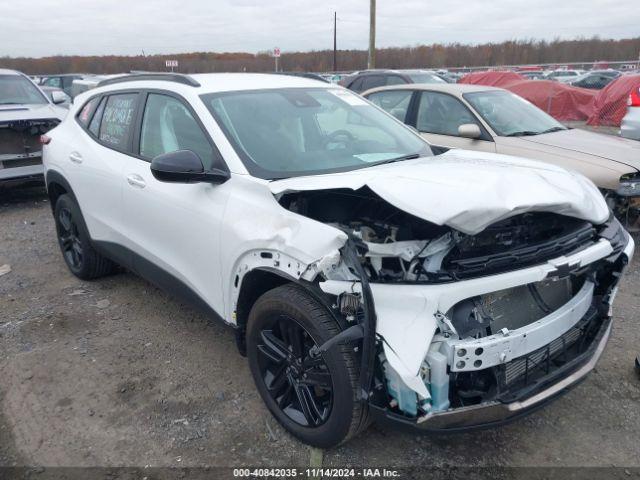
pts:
[174, 228]
[97, 160]
[438, 116]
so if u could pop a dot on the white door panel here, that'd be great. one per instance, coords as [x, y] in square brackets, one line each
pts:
[176, 227]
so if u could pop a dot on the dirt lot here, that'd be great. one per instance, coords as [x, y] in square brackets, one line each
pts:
[115, 372]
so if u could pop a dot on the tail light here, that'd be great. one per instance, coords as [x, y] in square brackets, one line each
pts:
[45, 140]
[634, 98]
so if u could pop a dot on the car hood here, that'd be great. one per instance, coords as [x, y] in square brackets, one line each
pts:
[467, 190]
[609, 147]
[12, 113]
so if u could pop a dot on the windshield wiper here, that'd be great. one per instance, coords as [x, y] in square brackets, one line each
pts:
[411, 156]
[553, 129]
[523, 133]
[10, 103]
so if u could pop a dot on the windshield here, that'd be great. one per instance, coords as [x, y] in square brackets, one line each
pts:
[17, 90]
[511, 115]
[289, 132]
[425, 78]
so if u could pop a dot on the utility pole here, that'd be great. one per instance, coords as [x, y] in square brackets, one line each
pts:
[335, 43]
[371, 63]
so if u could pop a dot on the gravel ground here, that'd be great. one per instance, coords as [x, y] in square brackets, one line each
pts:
[115, 372]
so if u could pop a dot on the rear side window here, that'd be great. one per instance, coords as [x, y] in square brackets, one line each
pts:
[373, 81]
[395, 80]
[356, 85]
[168, 126]
[118, 119]
[94, 127]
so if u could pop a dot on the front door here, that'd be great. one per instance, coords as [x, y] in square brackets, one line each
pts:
[438, 117]
[174, 228]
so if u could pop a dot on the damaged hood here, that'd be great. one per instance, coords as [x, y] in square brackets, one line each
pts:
[12, 113]
[466, 190]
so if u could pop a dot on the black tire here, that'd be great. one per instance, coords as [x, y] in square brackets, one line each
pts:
[75, 243]
[332, 415]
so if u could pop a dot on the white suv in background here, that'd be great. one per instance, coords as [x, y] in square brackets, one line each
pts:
[364, 277]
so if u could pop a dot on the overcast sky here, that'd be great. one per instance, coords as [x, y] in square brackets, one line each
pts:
[100, 27]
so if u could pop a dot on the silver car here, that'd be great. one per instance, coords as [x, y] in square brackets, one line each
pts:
[630, 126]
[26, 112]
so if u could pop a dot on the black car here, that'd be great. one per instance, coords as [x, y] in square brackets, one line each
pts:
[367, 79]
[595, 80]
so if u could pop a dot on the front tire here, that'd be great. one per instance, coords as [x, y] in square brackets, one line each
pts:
[75, 243]
[315, 399]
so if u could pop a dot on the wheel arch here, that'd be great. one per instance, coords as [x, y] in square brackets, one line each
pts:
[258, 281]
[253, 285]
[57, 185]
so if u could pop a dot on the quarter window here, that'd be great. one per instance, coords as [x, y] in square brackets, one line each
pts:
[85, 114]
[442, 114]
[117, 120]
[94, 126]
[395, 102]
[168, 126]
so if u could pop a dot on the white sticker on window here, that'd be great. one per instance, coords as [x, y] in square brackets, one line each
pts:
[348, 97]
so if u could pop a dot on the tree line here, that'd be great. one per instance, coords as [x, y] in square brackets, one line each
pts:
[512, 52]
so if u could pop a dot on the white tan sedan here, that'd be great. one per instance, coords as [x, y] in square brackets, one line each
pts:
[490, 119]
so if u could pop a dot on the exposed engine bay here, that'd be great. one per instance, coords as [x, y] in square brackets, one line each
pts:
[399, 247]
[464, 319]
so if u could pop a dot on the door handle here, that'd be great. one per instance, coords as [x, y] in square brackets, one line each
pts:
[75, 157]
[136, 181]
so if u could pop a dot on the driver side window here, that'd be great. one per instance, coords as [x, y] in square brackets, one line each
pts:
[168, 126]
[442, 114]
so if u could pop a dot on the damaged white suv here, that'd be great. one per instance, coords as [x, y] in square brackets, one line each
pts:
[365, 278]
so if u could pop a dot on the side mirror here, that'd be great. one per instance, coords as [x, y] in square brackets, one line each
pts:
[58, 97]
[185, 166]
[469, 130]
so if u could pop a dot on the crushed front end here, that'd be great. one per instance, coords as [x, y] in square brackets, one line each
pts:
[20, 149]
[466, 330]
[514, 328]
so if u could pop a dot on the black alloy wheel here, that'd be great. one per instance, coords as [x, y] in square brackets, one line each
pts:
[75, 243]
[315, 398]
[299, 383]
[69, 238]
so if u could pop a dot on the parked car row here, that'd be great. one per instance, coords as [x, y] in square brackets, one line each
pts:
[365, 278]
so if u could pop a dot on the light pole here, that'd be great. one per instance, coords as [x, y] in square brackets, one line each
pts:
[371, 63]
[335, 43]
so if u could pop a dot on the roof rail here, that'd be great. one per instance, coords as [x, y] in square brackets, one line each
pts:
[137, 77]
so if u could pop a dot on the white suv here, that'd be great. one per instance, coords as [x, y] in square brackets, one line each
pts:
[364, 277]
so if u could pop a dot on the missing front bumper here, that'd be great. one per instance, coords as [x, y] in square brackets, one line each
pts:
[494, 413]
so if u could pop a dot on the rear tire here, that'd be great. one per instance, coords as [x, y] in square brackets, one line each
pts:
[315, 399]
[75, 242]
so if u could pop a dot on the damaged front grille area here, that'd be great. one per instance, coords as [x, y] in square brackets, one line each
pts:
[516, 243]
[512, 308]
[524, 371]
[523, 376]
